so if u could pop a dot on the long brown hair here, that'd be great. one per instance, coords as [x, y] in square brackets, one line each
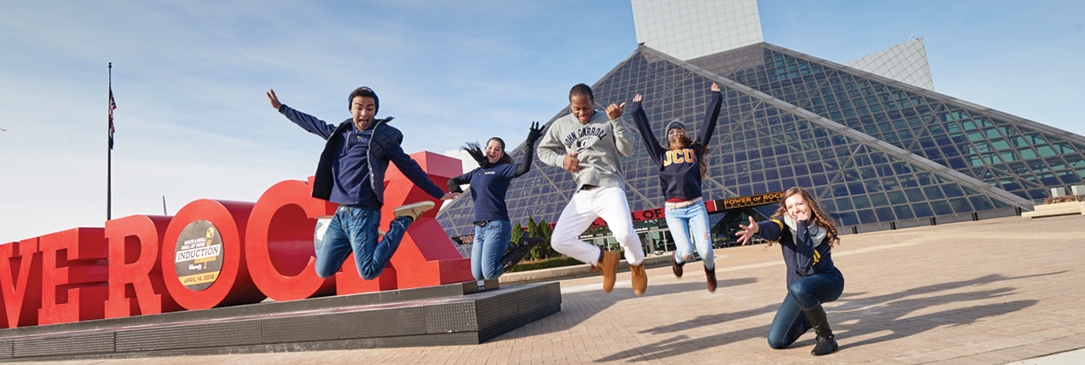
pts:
[818, 215]
[476, 153]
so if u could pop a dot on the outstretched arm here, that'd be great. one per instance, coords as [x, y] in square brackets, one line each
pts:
[549, 147]
[307, 122]
[454, 183]
[533, 135]
[640, 119]
[409, 167]
[746, 232]
[769, 230]
[711, 114]
[622, 140]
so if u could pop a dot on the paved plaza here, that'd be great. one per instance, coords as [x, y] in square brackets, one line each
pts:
[996, 291]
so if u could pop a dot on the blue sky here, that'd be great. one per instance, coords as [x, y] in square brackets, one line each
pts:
[193, 122]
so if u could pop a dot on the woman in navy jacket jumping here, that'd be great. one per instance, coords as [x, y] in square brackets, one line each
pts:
[489, 183]
[681, 169]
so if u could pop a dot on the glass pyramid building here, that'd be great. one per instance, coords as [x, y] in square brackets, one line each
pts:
[877, 153]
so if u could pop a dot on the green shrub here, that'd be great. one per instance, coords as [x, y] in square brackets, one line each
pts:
[545, 264]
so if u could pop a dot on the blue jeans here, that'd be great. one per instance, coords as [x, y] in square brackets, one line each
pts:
[808, 292]
[681, 221]
[491, 241]
[354, 229]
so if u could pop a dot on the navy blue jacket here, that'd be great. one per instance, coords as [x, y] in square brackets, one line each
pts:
[383, 146]
[802, 259]
[679, 170]
[490, 183]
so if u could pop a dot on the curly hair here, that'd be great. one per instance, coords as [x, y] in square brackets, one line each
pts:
[818, 215]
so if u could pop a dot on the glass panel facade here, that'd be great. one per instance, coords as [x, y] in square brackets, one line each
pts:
[764, 143]
[920, 121]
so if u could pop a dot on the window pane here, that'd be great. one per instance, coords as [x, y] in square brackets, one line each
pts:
[922, 209]
[941, 207]
[903, 212]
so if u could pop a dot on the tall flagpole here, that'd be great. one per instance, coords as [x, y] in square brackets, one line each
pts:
[109, 153]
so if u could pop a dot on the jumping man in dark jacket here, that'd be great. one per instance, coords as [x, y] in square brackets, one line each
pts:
[351, 173]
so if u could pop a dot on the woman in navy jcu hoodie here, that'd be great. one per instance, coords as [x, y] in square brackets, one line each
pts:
[681, 169]
[806, 236]
[489, 183]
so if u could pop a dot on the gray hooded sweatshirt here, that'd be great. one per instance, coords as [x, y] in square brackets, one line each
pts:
[598, 144]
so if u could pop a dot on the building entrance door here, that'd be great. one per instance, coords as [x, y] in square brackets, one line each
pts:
[725, 223]
[656, 241]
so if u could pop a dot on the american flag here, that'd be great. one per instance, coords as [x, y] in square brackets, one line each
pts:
[112, 105]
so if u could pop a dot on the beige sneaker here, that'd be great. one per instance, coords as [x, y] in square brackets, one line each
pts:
[414, 210]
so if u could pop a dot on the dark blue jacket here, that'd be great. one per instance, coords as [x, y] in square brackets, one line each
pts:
[802, 259]
[384, 146]
[489, 184]
[679, 170]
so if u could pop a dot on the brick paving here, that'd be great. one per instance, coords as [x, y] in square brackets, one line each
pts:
[987, 292]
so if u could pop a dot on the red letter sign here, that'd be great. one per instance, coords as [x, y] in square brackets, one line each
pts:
[135, 272]
[20, 283]
[203, 258]
[279, 243]
[73, 276]
[426, 256]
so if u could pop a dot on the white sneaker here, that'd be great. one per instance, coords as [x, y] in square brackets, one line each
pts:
[414, 210]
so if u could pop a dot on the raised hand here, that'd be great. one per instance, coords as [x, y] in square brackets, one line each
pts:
[614, 111]
[274, 99]
[801, 215]
[534, 133]
[571, 163]
[715, 87]
[636, 98]
[745, 233]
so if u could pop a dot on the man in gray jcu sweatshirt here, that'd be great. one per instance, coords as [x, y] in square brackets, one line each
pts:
[587, 143]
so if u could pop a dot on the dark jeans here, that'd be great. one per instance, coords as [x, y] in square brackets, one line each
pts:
[790, 321]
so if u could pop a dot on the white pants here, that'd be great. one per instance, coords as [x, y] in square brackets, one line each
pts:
[586, 205]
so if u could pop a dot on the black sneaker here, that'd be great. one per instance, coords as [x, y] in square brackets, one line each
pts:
[513, 257]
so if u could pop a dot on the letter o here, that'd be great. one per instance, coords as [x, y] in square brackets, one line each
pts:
[233, 285]
[279, 243]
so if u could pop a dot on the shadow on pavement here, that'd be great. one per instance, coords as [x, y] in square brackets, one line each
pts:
[567, 319]
[873, 315]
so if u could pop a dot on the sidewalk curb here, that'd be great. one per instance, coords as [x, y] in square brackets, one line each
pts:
[575, 271]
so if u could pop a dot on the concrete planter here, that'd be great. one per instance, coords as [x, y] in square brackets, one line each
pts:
[1057, 209]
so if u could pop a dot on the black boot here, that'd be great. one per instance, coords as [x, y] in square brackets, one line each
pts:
[826, 342]
[513, 257]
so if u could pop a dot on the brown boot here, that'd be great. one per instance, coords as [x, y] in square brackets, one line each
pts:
[710, 278]
[676, 268]
[609, 266]
[640, 278]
